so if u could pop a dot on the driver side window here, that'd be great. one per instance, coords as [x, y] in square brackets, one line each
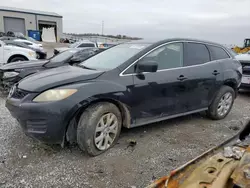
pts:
[168, 56]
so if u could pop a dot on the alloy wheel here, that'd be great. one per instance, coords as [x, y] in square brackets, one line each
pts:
[106, 131]
[225, 104]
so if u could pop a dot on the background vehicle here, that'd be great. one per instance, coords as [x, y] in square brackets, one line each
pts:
[80, 44]
[11, 53]
[41, 54]
[31, 44]
[128, 85]
[244, 59]
[244, 49]
[14, 72]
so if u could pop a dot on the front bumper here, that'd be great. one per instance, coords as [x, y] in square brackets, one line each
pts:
[45, 122]
[7, 83]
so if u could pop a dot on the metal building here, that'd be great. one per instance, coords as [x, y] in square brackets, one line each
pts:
[22, 20]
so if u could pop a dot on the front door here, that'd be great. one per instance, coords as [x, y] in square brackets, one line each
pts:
[162, 93]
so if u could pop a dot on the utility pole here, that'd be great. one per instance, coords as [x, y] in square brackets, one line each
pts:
[102, 27]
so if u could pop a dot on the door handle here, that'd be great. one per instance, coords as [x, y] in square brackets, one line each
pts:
[181, 78]
[215, 72]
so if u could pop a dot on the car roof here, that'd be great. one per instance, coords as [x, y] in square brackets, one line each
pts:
[152, 41]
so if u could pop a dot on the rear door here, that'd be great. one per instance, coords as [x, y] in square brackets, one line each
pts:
[202, 75]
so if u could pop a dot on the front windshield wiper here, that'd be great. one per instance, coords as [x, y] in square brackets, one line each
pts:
[83, 66]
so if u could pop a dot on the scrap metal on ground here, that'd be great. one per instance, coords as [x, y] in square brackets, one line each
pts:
[225, 166]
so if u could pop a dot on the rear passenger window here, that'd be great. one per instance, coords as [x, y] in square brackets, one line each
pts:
[195, 54]
[84, 45]
[217, 53]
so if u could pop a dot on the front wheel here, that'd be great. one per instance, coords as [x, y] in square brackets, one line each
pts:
[99, 128]
[16, 59]
[222, 103]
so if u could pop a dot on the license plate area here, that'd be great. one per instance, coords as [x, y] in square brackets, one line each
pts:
[245, 80]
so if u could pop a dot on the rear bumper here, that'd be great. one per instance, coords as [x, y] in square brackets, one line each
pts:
[45, 122]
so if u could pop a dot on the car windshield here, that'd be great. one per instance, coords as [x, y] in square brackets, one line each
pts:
[113, 57]
[62, 56]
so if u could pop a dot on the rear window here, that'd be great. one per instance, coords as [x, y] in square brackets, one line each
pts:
[195, 54]
[217, 53]
[86, 45]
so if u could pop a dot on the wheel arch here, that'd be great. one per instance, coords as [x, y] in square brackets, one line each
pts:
[17, 55]
[70, 132]
[233, 84]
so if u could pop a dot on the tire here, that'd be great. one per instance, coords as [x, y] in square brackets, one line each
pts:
[18, 58]
[214, 110]
[90, 122]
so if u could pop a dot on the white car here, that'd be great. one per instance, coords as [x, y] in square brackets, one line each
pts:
[244, 59]
[30, 43]
[80, 44]
[10, 53]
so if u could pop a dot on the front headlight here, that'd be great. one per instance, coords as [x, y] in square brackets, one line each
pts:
[32, 54]
[54, 95]
[10, 74]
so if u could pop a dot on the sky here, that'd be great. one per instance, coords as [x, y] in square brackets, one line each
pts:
[223, 21]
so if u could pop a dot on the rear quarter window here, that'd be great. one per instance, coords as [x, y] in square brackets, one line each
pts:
[217, 53]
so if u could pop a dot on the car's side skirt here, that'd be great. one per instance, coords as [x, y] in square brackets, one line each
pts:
[168, 117]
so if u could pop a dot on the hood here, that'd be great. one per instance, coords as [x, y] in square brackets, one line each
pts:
[23, 64]
[243, 57]
[56, 77]
[62, 49]
[10, 47]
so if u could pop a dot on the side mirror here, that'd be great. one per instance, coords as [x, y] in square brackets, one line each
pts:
[146, 66]
[75, 60]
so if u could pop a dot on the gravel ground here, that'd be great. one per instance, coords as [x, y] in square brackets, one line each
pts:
[160, 148]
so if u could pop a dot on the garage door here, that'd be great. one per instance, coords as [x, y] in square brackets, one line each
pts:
[14, 24]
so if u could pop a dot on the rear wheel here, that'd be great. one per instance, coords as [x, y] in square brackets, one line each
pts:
[222, 103]
[18, 58]
[99, 128]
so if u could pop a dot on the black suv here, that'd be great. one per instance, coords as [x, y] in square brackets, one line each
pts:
[127, 85]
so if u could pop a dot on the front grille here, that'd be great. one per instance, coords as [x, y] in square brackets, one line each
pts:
[18, 93]
[245, 67]
[246, 71]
